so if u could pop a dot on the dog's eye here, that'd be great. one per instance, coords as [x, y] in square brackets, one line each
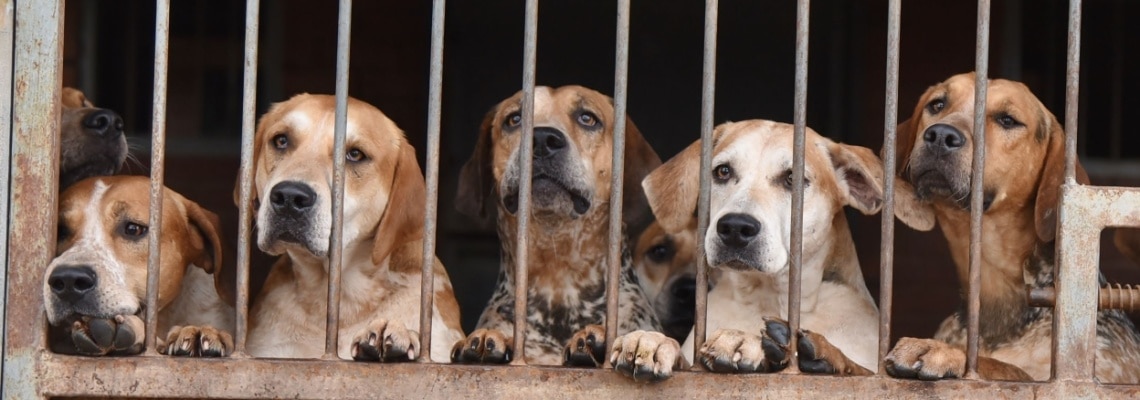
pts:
[789, 181]
[134, 230]
[513, 119]
[935, 106]
[722, 173]
[660, 253]
[1007, 121]
[281, 142]
[354, 155]
[587, 119]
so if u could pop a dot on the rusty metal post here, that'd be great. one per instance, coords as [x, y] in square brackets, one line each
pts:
[157, 168]
[526, 149]
[340, 128]
[245, 177]
[981, 84]
[1072, 90]
[803, 8]
[435, 96]
[6, 31]
[617, 172]
[890, 127]
[708, 99]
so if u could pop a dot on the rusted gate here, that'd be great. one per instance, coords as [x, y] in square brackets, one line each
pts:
[31, 38]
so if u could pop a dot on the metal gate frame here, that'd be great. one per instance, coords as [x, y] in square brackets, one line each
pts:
[31, 39]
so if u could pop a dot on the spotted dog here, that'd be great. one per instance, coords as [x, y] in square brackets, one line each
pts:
[666, 268]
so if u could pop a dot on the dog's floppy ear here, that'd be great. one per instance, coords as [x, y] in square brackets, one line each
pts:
[1052, 176]
[259, 140]
[73, 98]
[403, 219]
[859, 174]
[476, 181]
[908, 208]
[640, 160]
[205, 240]
[672, 189]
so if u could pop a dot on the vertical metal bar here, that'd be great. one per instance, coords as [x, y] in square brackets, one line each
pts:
[6, 96]
[803, 8]
[1072, 90]
[530, 40]
[157, 167]
[981, 84]
[621, 80]
[708, 99]
[435, 101]
[245, 184]
[887, 240]
[343, 34]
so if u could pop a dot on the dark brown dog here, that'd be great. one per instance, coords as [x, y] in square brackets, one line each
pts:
[91, 139]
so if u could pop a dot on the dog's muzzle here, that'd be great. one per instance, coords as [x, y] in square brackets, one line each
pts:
[292, 205]
[737, 237]
[550, 180]
[102, 149]
[72, 284]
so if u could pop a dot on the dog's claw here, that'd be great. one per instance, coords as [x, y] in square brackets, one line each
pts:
[385, 341]
[482, 346]
[587, 348]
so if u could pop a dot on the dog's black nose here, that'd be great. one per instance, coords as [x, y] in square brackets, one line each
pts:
[71, 283]
[292, 198]
[944, 137]
[548, 142]
[685, 290]
[737, 230]
[104, 123]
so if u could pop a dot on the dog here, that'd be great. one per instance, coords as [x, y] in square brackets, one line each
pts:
[747, 244]
[382, 240]
[91, 139]
[95, 288]
[1025, 146]
[666, 268]
[569, 228]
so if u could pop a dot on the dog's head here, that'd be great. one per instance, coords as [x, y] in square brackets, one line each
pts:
[91, 139]
[666, 269]
[1025, 151]
[100, 267]
[573, 139]
[293, 177]
[751, 198]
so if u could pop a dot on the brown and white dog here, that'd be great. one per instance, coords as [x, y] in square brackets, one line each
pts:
[95, 288]
[747, 245]
[382, 242]
[91, 139]
[569, 228]
[666, 267]
[1025, 146]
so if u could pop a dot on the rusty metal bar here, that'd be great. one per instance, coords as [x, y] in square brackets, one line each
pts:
[803, 8]
[621, 83]
[245, 182]
[343, 34]
[708, 99]
[974, 289]
[157, 168]
[1072, 90]
[6, 46]
[431, 207]
[890, 127]
[1114, 296]
[526, 149]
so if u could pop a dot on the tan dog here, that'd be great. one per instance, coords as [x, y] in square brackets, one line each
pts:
[747, 245]
[91, 139]
[1024, 168]
[568, 231]
[95, 288]
[382, 243]
[666, 268]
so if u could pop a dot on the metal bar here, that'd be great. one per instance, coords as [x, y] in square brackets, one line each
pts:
[890, 128]
[803, 8]
[708, 99]
[1114, 296]
[621, 83]
[981, 84]
[157, 168]
[526, 149]
[7, 28]
[343, 34]
[245, 184]
[1072, 90]
[435, 101]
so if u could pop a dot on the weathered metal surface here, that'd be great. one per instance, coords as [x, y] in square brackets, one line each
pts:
[1115, 296]
[340, 129]
[981, 84]
[800, 120]
[617, 173]
[526, 149]
[887, 225]
[157, 165]
[431, 207]
[708, 99]
[6, 30]
[1072, 89]
[245, 173]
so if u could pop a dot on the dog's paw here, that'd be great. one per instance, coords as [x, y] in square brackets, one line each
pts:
[587, 348]
[196, 341]
[925, 359]
[385, 341]
[731, 350]
[100, 336]
[818, 356]
[484, 346]
[646, 356]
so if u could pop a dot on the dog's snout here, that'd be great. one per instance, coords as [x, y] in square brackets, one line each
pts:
[685, 289]
[292, 198]
[71, 283]
[548, 142]
[944, 137]
[737, 230]
[104, 123]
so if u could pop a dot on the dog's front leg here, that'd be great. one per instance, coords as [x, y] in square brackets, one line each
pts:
[587, 348]
[735, 351]
[483, 346]
[196, 341]
[385, 341]
[931, 359]
[647, 356]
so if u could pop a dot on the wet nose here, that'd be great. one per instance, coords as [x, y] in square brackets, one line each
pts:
[944, 137]
[737, 230]
[71, 283]
[104, 123]
[548, 142]
[292, 198]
